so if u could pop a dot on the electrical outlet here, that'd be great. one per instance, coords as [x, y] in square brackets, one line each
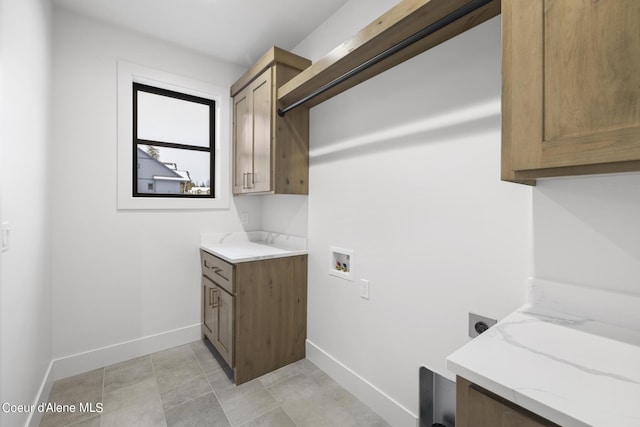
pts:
[364, 289]
[4, 231]
[478, 324]
[244, 218]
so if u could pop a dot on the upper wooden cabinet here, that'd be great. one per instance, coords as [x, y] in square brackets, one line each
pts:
[571, 88]
[270, 153]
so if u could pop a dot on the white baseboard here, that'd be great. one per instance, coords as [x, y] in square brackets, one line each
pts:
[393, 412]
[99, 358]
[105, 356]
[43, 395]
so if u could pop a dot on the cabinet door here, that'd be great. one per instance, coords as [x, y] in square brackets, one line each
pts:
[208, 318]
[252, 136]
[242, 141]
[262, 106]
[571, 87]
[223, 333]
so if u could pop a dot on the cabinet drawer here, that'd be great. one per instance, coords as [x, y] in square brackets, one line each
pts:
[219, 271]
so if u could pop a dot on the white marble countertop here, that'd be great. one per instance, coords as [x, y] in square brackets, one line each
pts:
[252, 246]
[574, 370]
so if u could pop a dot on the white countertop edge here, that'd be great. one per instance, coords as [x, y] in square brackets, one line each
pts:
[241, 246]
[279, 240]
[514, 396]
[213, 250]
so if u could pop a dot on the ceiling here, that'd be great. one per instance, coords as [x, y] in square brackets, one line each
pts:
[238, 31]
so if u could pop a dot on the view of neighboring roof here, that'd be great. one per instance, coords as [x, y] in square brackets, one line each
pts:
[163, 171]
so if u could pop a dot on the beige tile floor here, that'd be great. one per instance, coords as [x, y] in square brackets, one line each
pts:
[190, 386]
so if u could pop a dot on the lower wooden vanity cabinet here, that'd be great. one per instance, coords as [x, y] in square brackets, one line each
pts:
[477, 407]
[254, 313]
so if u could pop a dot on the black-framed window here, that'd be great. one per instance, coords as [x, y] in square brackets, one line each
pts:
[173, 144]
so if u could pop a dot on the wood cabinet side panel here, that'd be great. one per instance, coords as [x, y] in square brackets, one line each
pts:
[270, 315]
[526, 72]
[507, 172]
[506, 164]
[291, 142]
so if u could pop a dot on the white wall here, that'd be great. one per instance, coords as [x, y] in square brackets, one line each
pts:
[25, 284]
[587, 231]
[405, 171]
[285, 213]
[119, 276]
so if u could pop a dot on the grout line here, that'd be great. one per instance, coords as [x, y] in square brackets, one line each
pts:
[222, 407]
[104, 374]
[277, 401]
[207, 379]
[155, 377]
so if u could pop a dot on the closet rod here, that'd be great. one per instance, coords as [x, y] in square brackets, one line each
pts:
[427, 31]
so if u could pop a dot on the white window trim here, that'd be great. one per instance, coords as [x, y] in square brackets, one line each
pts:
[129, 73]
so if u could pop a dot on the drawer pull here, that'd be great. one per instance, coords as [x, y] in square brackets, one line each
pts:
[215, 269]
[218, 272]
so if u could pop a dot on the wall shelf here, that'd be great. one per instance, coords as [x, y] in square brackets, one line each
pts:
[399, 23]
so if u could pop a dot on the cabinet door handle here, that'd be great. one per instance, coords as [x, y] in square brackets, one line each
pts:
[211, 296]
[245, 180]
[216, 298]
